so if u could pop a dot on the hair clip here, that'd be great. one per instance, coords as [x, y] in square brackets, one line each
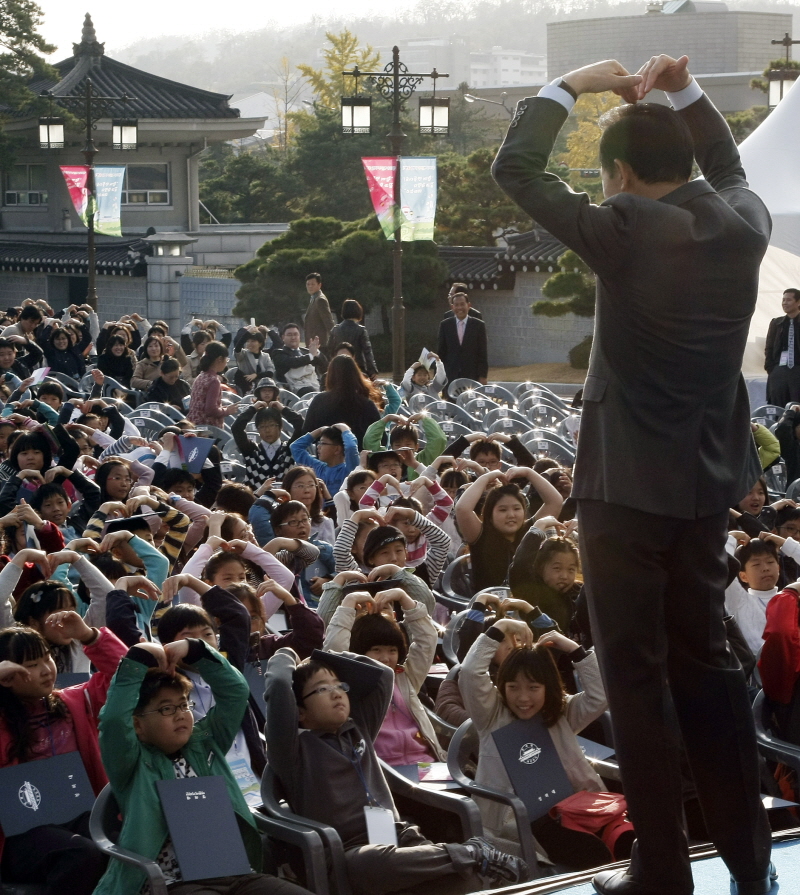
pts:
[35, 598]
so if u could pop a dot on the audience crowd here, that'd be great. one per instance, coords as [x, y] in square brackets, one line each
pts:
[256, 552]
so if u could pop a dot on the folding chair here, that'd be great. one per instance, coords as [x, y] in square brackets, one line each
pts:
[445, 410]
[767, 414]
[453, 430]
[457, 386]
[507, 413]
[478, 408]
[769, 745]
[457, 588]
[497, 393]
[104, 828]
[464, 747]
[775, 477]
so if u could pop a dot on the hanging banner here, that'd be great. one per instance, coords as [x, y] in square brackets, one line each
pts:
[381, 173]
[76, 177]
[108, 190]
[417, 197]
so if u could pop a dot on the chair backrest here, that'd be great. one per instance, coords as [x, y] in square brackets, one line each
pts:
[766, 414]
[458, 574]
[287, 397]
[446, 410]
[450, 638]
[463, 750]
[477, 407]
[148, 428]
[419, 401]
[793, 491]
[454, 430]
[497, 393]
[775, 477]
[457, 386]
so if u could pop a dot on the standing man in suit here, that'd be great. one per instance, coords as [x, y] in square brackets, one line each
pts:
[782, 352]
[462, 343]
[318, 321]
[454, 290]
[665, 448]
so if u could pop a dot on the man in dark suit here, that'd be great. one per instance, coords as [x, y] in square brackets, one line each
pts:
[782, 352]
[665, 448]
[462, 343]
[454, 290]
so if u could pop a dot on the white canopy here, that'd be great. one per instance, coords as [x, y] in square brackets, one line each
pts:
[771, 159]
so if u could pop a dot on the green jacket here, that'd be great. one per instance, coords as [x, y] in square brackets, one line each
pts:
[134, 767]
[435, 441]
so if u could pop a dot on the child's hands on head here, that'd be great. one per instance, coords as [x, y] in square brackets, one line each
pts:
[269, 586]
[348, 577]
[139, 586]
[361, 601]
[557, 640]
[68, 625]
[393, 595]
[54, 560]
[175, 653]
[83, 545]
[517, 631]
[381, 573]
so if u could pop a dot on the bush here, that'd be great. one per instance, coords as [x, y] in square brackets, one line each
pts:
[579, 355]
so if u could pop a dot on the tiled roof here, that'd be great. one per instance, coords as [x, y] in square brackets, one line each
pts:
[155, 97]
[125, 257]
[491, 266]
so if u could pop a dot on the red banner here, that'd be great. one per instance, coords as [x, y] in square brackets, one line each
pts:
[76, 177]
[381, 174]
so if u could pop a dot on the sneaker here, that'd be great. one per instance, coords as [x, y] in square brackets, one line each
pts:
[494, 867]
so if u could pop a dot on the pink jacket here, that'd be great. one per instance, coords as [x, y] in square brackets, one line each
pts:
[84, 702]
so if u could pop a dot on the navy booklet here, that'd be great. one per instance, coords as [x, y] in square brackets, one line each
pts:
[193, 452]
[203, 827]
[533, 766]
[50, 791]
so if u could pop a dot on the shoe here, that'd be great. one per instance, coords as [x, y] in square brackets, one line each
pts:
[618, 882]
[757, 887]
[496, 868]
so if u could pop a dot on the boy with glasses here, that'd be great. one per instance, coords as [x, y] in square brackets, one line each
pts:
[337, 454]
[322, 718]
[270, 457]
[147, 734]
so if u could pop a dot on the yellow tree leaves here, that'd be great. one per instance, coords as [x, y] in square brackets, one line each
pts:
[584, 142]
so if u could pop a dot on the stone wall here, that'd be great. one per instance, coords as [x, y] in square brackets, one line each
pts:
[117, 296]
[210, 298]
[16, 287]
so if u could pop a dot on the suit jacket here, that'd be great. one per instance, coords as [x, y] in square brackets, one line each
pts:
[318, 320]
[666, 419]
[469, 359]
[777, 338]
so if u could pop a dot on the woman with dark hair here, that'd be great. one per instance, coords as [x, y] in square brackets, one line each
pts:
[117, 360]
[205, 405]
[349, 397]
[64, 356]
[351, 331]
[148, 368]
[494, 536]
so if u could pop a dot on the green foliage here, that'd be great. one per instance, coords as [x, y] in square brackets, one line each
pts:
[344, 54]
[573, 289]
[742, 124]
[471, 207]
[250, 188]
[579, 355]
[356, 260]
[762, 83]
[21, 47]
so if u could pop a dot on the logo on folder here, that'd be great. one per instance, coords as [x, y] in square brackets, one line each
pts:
[30, 796]
[529, 753]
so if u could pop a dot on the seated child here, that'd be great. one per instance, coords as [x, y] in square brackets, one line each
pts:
[330, 773]
[38, 721]
[418, 380]
[347, 497]
[407, 735]
[746, 599]
[148, 733]
[528, 683]
[404, 439]
[384, 557]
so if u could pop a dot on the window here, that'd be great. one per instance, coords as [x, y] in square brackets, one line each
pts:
[146, 185]
[26, 185]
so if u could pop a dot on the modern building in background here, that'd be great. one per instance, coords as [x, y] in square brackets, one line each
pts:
[727, 48]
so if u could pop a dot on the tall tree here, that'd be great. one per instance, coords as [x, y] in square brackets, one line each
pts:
[21, 49]
[343, 54]
[571, 290]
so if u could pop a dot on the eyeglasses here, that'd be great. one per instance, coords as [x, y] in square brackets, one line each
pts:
[168, 710]
[328, 688]
[789, 529]
[296, 523]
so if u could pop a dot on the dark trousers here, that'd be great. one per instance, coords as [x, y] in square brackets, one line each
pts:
[62, 857]
[655, 588]
[250, 884]
[783, 385]
[414, 865]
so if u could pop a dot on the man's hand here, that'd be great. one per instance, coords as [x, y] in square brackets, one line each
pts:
[663, 73]
[603, 76]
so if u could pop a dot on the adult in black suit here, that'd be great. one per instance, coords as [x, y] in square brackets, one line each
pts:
[665, 448]
[783, 366]
[462, 343]
[454, 290]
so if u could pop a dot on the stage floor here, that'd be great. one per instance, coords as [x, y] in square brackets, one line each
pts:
[710, 874]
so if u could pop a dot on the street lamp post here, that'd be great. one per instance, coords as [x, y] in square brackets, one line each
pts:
[124, 136]
[396, 84]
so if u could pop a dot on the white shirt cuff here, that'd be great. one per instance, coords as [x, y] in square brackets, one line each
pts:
[683, 98]
[551, 91]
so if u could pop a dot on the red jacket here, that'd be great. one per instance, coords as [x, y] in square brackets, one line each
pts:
[84, 702]
[779, 662]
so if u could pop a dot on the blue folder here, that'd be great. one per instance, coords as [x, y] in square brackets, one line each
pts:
[533, 766]
[203, 827]
[50, 791]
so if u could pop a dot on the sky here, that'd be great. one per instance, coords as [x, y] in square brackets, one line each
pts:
[118, 24]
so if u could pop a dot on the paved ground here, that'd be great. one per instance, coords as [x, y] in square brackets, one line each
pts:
[537, 373]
